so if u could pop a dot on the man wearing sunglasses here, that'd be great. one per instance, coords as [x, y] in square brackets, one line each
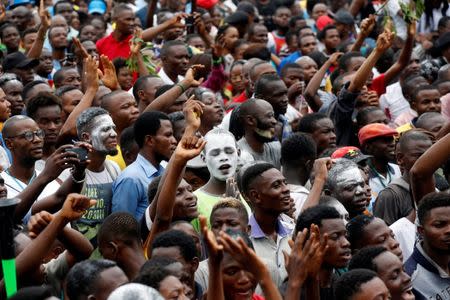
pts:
[25, 140]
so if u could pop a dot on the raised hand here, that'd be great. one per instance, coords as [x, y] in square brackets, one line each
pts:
[38, 222]
[319, 246]
[59, 161]
[189, 147]
[372, 98]
[44, 15]
[367, 25]
[109, 77]
[90, 72]
[231, 189]
[321, 167]
[199, 24]
[385, 40]
[75, 206]
[189, 78]
[175, 21]
[83, 52]
[136, 42]
[334, 58]
[215, 250]
[193, 110]
[296, 90]
[2, 12]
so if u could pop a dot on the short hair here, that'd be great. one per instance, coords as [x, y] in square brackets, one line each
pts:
[167, 45]
[7, 25]
[135, 291]
[119, 8]
[65, 89]
[345, 59]
[147, 123]
[230, 203]
[429, 202]
[298, 147]
[9, 124]
[161, 90]
[355, 228]
[350, 283]
[252, 173]
[217, 131]
[43, 99]
[153, 188]
[119, 63]
[256, 50]
[176, 116]
[308, 122]
[119, 226]
[363, 259]
[152, 276]
[341, 165]
[85, 119]
[58, 77]
[262, 84]
[127, 139]
[28, 31]
[315, 215]
[289, 66]
[363, 113]
[33, 292]
[323, 33]
[82, 277]
[412, 135]
[420, 88]
[176, 238]
[29, 86]
[425, 117]
[139, 85]
[55, 6]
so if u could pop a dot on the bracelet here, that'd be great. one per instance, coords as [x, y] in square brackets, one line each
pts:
[183, 89]
[77, 181]
[217, 61]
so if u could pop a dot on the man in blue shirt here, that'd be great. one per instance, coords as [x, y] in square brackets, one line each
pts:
[154, 136]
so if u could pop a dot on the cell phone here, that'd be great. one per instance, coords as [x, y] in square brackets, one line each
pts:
[82, 153]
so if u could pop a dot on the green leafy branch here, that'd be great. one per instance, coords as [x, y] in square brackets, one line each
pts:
[413, 11]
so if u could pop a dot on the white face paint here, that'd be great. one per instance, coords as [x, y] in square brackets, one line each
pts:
[351, 181]
[221, 156]
[104, 136]
[341, 210]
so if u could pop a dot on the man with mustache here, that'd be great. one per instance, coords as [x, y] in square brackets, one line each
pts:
[258, 119]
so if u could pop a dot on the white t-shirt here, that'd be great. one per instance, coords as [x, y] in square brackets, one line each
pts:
[405, 234]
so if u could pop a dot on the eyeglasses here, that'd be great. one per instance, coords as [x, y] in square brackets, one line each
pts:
[29, 135]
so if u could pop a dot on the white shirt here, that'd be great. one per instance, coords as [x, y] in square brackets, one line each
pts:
[394, 101]
[166, 78]
[405, 234]
[299, 194]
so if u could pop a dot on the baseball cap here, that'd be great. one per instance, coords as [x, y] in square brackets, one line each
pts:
[207, 4]
[323, 21]
[97, 7]
[350, 152]
[375, 130]
[344, 17]
[18, 60]
[237, 18]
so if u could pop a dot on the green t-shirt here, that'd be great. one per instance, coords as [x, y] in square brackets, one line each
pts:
[205, 204]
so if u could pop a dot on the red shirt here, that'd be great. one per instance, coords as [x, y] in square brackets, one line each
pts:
[241, 98]
[378, 85]
[113, 48]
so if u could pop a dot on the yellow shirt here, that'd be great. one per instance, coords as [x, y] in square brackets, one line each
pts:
[117, 158]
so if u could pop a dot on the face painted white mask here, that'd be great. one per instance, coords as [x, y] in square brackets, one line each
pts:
[104, 136]
[221, 156]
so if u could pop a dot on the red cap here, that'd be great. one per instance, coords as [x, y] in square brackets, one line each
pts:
[371, 131]
[207, 4]
[341, 152]
[351, 153]
[323, 21]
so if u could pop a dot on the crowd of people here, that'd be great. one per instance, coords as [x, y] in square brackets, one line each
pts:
[226, 149]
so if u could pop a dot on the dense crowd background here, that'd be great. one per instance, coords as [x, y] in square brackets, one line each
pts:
[225, 149]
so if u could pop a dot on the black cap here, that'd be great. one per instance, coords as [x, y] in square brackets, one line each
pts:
[18, 60]
[344, 17]
[237, 18]
[246, 7]
[444, 41]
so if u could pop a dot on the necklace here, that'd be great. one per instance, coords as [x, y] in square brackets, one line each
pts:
[18, 182]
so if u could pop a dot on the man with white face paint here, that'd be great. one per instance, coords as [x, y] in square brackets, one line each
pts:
[221, 157]
[95, 126]
[346, 184]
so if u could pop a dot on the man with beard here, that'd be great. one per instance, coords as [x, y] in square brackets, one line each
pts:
[154, 135]
[221, 157]
[428, 266]
[281, 21]
[257, 118]
[346, 184]
[58, 40]
[95, 126]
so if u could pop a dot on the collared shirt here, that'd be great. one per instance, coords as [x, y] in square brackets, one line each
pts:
[130, 188]
[286, 130]
[378, 182]
[428, 279]
[112, 48]
[267, 248]
[290, 59]
[162, 74]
